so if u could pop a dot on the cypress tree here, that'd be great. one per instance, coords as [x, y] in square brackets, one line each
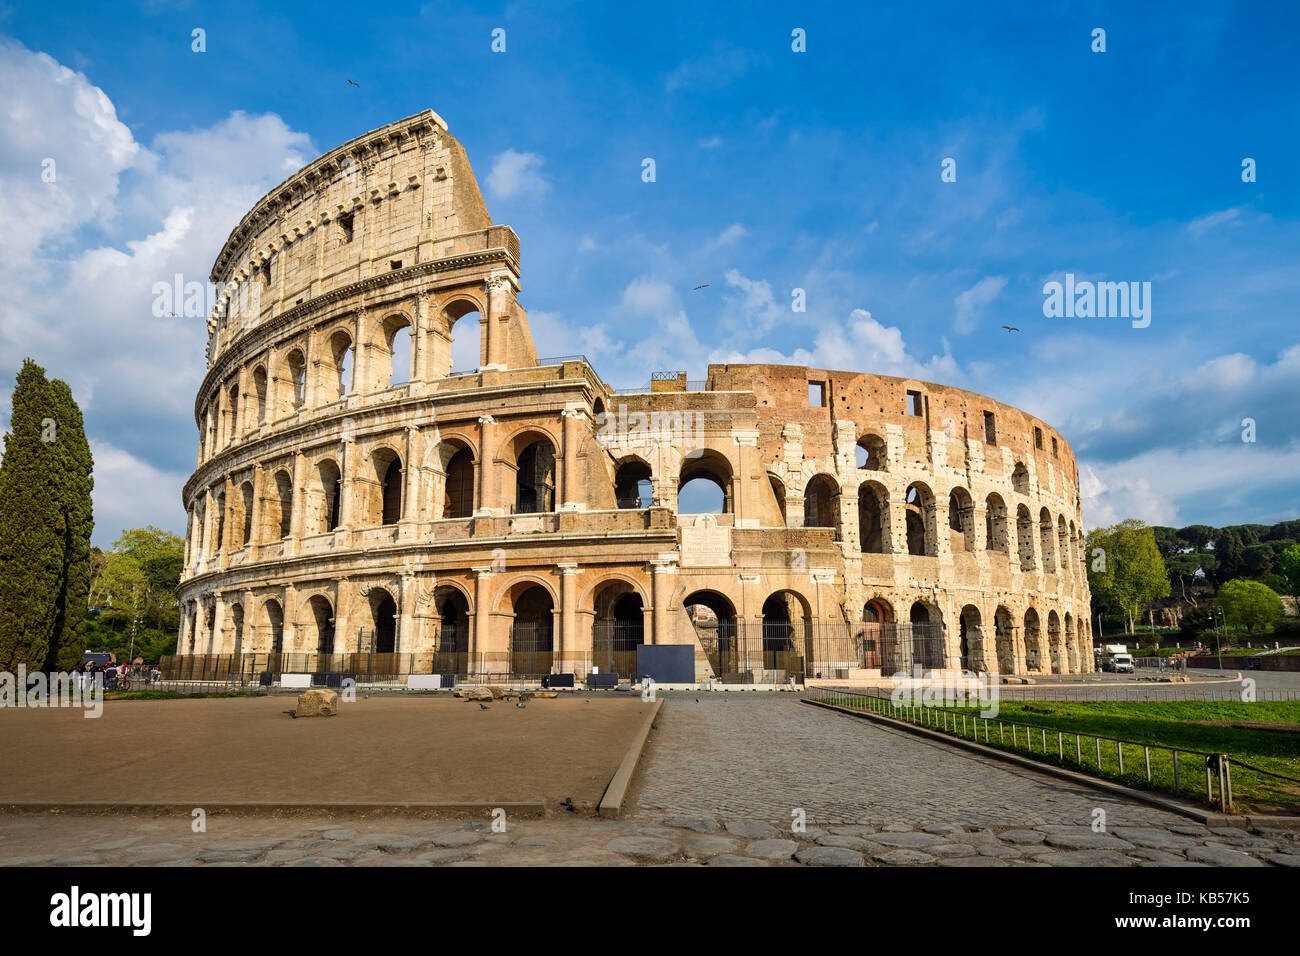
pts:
[31, 526]
[72, 486]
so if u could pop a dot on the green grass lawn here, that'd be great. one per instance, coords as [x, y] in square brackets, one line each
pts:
[1158, 724]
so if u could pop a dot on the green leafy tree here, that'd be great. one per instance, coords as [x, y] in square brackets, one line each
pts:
[1290, 565]
[32, 528]
[1125, 569]
[1249, 604]
[160, 556]
[72, 487]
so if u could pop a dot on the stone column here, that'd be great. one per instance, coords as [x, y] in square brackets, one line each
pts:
[347, 482]
[404, 644]
[568, 643]
[411, 515]
[255, 536]
[298, 506]
[480, 635]
[290, 608]
[498, 296]
[571, 484]
[217, 638]
[744, 503]
[487, 497]
[662, 569]
[362, 364]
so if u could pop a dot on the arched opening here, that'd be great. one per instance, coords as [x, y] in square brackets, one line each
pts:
[246, 508]
[713, 617]
[632, 487]
[873, 518]
[531, 646]
[871, 453]
[210, 627]
[297, 368]
[617, 629]
[1025, 538]
[259, 389]
[1005, 639]
[535, 479]
[972, 639]
[398, 351]
[1047, 540]
[458, 491]
[922, 538]
[995, 523]
[284, 495]
[961, 520]
[328, 498]
[1034, 656]
[1054, 643]
[1071, 646]
[1062, 546]
[704, 484]
[272, 636]
[232, 423]
[452, 641]
[787, 635]
[926, 626]
[385, 504]
[337, 371]
[821, 504]
[1020, 478]
[466, 329]
[221, 521]
[237, 628]
[383, 622]
[321, 622]
[876, 615]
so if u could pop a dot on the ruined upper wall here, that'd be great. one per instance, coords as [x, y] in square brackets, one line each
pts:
[951, 416]
[397, 196]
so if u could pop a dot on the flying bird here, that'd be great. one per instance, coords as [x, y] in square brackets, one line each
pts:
[699, 287]
[357, 85]
[1011, 328]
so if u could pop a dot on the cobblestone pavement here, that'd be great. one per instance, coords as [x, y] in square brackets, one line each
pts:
[718, 784]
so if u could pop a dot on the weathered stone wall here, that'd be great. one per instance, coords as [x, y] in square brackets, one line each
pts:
[511, 500]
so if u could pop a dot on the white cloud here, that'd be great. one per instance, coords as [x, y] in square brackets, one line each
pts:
[972, 303]
[729, 236]
[517, 174]
[79, 275]
[1203, 224]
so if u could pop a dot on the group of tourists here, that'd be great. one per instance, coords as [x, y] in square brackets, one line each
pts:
[115, 676]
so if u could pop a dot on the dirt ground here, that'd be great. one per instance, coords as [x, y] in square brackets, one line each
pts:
[213, 752]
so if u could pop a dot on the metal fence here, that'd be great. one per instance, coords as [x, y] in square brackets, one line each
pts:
[1174, 770]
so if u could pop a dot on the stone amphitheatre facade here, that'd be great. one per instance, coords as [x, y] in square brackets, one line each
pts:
[362, 504]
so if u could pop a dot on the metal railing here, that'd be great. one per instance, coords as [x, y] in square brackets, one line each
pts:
[1173, 769]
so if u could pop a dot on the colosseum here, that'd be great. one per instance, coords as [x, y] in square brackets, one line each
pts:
[363, 505]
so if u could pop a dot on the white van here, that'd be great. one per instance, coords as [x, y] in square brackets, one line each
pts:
[1121, 663]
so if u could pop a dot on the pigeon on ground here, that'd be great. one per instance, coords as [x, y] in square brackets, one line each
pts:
[520, 705]
[482, 707]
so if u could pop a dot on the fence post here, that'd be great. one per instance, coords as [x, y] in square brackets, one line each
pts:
[1119, 749]
[1175, 753]
[1146, 751]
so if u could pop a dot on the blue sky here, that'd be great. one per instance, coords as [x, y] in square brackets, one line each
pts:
[775, 170]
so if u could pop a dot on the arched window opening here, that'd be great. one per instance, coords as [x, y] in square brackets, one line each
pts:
[386, 502]
[713, 619]
[272, 636]
[871, 453]
[778, 492]
[995, 524]
[1025, 538]
[259, 389]
[329, 497]
[787, 634]
[704, 484]
[632, 486]
[233, 421]
[1020, 478]
[453, 630]
[922, 538]
[383, 618]
[246, 501]
[531, 647]
[398, 344]
[322, 619]
[284, 492]
[297, 378]
[1047, 540]
[342, 355]
[873, 518]
[926, 626]
[1005, 639]
[221, 521]
[458, 496]
[821, 504]
[1054, 643]
[618, 628]
[961, 520]
[466, 345]
[1034, 652]
[535, 479]
[972, 639]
